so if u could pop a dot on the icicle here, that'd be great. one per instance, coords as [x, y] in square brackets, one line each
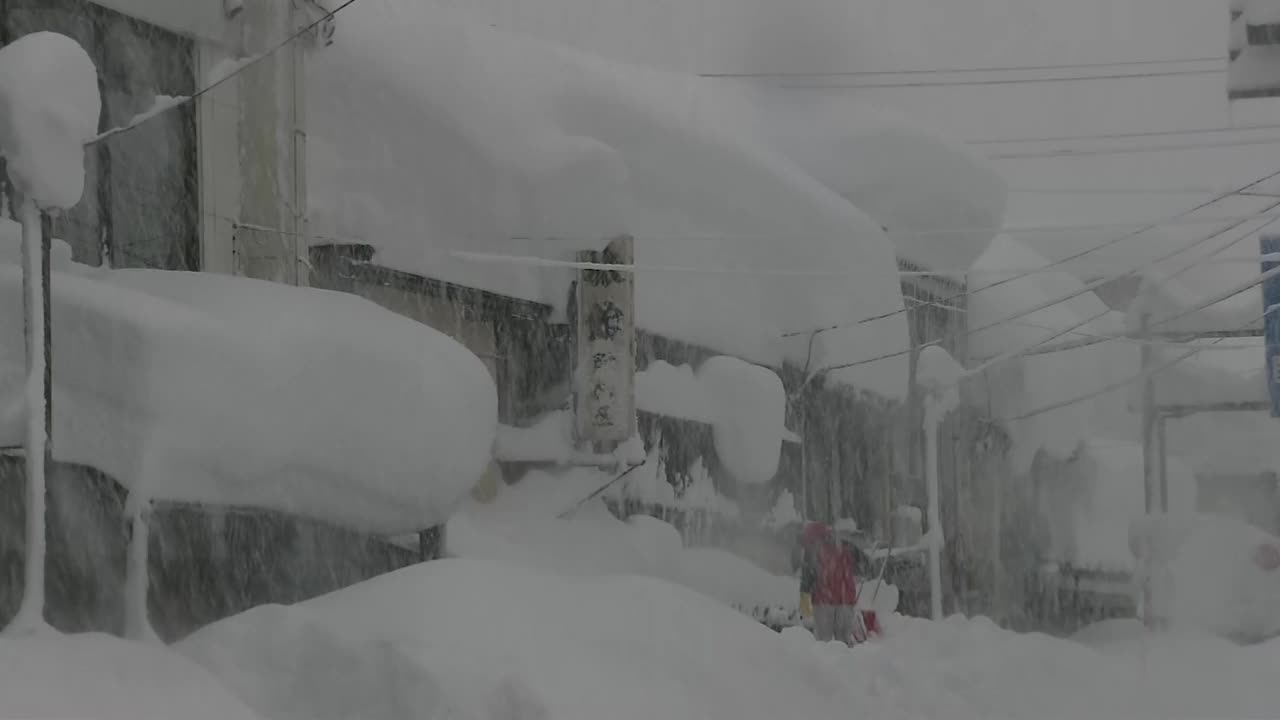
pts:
[30, 617]
[137, 626]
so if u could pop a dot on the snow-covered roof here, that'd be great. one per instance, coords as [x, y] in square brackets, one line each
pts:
[429, 135]
[1031, 383]
[940, 200]
[216, 389]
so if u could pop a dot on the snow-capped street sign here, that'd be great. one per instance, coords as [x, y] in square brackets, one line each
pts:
[605, 378]
[1270, 244]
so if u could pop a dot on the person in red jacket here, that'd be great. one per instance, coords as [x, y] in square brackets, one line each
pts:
[827, 577]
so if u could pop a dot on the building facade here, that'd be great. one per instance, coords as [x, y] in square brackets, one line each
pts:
[211, 185]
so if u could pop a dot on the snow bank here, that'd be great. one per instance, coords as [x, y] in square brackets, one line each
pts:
[933, 194]
[1028, 384]
[1215, 585]
[521, 526]
[216, 389]
[749, 408]
[1091, 505]
[98, 676]
[430, 135]
[49, 109]
[472, 639]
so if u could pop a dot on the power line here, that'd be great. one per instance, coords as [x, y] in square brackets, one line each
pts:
[1124, 135]
[1005, 81]
[1089, 287]
[1178, 220]
[980, 69]
[1121, 383]
[1115, 191]
[1076, 256]
[250, 62]
[1069, 152]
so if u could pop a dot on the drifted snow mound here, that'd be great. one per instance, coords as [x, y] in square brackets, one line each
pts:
[472, 639]
[591, 541]
[748, 410]
[102, 677]
[1215, 584]
[225, 390]
[49, 107]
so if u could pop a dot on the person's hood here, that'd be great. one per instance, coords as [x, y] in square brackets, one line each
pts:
[815, 532]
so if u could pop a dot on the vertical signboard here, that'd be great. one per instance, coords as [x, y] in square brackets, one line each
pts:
[605, 373]
[1270, 246]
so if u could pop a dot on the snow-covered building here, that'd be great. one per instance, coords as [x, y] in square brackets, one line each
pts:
[498, 157]
[185, 190]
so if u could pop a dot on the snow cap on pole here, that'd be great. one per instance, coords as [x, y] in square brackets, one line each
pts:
[49, 107]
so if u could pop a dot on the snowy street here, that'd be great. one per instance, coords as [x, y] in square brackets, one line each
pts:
[639, 359]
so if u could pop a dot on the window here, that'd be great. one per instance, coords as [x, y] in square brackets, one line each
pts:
[140, 207]
[1254, 53]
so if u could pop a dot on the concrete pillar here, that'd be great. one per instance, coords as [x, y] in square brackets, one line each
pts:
[269, 240]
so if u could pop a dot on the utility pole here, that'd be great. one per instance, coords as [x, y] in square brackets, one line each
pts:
[36, 251]
[1149, 443]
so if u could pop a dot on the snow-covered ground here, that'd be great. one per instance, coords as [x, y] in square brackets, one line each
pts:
[481, 639]
[52, 676]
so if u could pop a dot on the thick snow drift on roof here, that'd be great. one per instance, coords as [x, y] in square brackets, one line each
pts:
[473, 639]
[932, 194]
[1029, 383]
[431, 135]
[1174, 305]
[99, 676]
[49, 109]
[218, 389]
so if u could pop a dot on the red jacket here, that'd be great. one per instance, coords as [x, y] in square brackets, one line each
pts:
[828, 572]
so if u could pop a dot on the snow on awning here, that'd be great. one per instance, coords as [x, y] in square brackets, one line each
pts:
[431, 136]
[203, 388]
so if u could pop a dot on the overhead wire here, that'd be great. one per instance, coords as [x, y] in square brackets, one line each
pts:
[979, 69]
[1001, 81]
[1070, 258]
